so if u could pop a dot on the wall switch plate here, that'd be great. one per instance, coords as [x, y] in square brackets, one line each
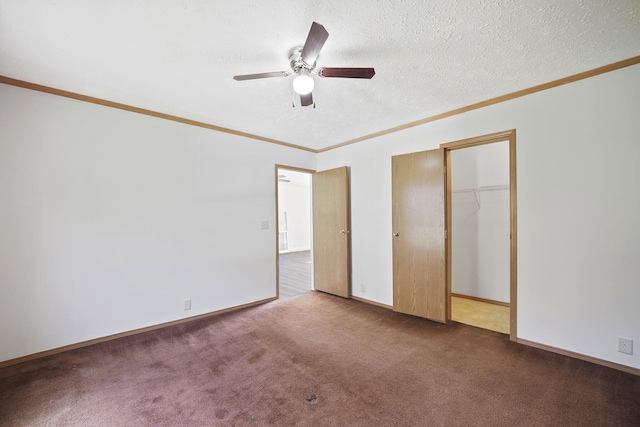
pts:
[625, 345]
[264, 225]
[187, 304]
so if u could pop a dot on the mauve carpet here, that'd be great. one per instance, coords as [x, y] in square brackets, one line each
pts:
[315, 360]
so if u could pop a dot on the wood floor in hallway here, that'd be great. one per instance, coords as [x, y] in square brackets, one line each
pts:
[295, 273]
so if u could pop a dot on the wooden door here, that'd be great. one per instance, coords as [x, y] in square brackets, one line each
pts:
[419, 285]
[331, 243]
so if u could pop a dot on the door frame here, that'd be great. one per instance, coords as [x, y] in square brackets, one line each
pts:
[509, 135]
[279, 167]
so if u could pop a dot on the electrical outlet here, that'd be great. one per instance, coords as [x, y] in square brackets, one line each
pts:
[625, 345]
[363, 287]
[187, 304]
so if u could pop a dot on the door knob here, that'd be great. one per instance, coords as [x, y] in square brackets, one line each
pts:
[343, 232]
[396, 234]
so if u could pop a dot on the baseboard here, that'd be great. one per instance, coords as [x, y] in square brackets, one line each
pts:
[488, 301]
[608, 364]
[70, 347]
[39, 355]
[368, 301]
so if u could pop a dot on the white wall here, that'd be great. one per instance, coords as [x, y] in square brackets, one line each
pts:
[480, 221]
[464, 220]
[109, 220]
[294, 198]
[578, 151]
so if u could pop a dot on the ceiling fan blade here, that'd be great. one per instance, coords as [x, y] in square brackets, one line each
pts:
[349, 73]
[315, 40]
[262, 75]
[306, 100]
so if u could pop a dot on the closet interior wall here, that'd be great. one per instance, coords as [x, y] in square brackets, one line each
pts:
[480, 221]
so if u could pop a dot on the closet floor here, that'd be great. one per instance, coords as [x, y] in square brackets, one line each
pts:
[480, 314]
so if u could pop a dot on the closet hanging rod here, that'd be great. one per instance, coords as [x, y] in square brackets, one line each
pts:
[485, 188]
[494, 187]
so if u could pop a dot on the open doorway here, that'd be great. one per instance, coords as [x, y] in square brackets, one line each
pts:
[293, 209]
[481, 224]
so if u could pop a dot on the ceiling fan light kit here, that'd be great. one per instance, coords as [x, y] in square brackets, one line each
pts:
[302, 60]
[303, 84]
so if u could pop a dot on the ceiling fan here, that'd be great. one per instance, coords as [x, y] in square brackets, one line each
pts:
[303, 63]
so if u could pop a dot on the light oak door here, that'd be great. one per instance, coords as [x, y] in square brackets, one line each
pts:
[419, 285]
[331, 243]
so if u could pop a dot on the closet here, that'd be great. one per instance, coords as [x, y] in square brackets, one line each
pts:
[454, 226]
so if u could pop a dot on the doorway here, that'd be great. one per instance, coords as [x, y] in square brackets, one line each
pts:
[481, 228]
[293, 217]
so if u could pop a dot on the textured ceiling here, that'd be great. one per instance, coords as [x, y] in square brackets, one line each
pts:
[431, 56]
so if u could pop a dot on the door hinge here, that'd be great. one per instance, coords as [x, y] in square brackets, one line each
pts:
[446, 235]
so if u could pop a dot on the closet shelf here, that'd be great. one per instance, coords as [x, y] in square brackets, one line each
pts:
[475, 191]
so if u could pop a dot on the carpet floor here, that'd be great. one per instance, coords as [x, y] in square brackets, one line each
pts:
[315, 360]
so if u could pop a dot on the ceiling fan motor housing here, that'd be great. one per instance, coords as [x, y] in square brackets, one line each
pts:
[296, 62]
